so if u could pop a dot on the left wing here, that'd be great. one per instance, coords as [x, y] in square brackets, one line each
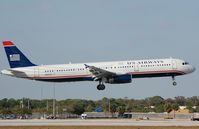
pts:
[100, 73]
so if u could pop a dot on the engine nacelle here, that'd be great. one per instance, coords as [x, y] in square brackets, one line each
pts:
[119, 79]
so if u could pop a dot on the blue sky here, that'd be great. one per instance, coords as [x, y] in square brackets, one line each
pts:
[63, 31]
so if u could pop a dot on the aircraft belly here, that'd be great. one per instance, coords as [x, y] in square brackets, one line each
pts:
[65, 79]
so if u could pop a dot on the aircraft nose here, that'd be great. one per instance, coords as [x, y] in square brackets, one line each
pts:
[190, 69]
[193, 69]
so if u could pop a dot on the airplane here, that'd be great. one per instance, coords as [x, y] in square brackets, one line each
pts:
[115, 72]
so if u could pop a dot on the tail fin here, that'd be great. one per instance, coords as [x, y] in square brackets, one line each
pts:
[15, 57]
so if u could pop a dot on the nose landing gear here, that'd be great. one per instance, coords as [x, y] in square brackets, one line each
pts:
[174, 82]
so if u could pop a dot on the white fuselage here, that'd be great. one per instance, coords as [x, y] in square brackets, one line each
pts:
[78, 72]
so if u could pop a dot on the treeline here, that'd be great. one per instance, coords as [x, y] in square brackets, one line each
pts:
[78, 106]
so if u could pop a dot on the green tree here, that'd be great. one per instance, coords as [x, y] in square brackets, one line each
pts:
[6, 111]
[113, 108]
[175, 108]
[159, 108]
[121, 110]
[193, 101]
[90, 106]
[78, 107]
[154, 101]
[168, 108]
[180, 100]
[104, 104]
[78, 110]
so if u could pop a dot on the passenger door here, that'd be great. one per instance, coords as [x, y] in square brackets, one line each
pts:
[174, 64]
[136, 67]
[36, 72]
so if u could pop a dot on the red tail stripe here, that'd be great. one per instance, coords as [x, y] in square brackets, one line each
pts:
[7, 43]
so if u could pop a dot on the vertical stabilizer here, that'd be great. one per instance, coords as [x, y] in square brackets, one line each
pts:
[15, 57]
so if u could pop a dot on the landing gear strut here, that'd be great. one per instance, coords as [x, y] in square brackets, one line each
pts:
[101, 86]
[174, 82]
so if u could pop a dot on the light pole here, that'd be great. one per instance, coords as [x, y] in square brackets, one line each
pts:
[28, 104]
[21, 104]
[54, 100]
[47, 106]
[41, 93]
[42, 112]
[109, 107]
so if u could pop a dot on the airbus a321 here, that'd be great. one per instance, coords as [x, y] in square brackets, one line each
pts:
[115, 72]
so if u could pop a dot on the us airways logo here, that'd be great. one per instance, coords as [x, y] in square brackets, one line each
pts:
[15, 57]
[147, 62]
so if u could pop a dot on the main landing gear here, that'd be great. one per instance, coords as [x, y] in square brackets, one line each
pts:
[174, 82]
[101, 86]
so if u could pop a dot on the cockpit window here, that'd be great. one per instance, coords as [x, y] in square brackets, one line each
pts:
[185, 63]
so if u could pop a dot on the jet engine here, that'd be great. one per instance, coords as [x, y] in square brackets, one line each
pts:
[119, 79]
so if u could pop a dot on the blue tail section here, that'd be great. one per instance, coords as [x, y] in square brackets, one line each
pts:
[15, 57]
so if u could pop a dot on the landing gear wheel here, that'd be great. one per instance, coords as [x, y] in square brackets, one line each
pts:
[174, 83]
[101, 87]
[98, 87]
